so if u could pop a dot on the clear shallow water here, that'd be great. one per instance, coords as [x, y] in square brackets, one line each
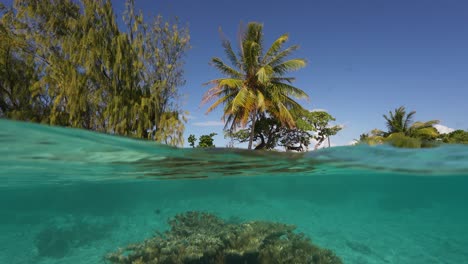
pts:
[71, 196]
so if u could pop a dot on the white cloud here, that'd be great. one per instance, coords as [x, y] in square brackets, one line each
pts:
[208, 123]
[443, 129]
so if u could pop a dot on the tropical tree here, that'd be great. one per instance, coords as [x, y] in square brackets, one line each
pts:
[206, 141]
[192, 139]
[376, 136]
[399, 121]
[255, 82]
[319, 121]
[17, 75]
[267, 132]
[68, 63]
[403, 132]
[309, 125]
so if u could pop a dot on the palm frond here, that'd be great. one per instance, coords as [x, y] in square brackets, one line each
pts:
[421, 125]
[432, 122]
[424, 132]
[212, 92]
[231, 121]
[280, 56]
[408, 119]
[229, 51]
[398, 121]
[254, 33]
[289, 103]
[289, 90]
[221, 86]
[288, 66]
[240, 100]
[261, 106]
[231, 83]
[275, 48]
[285, 116]
[225, 69]
[252, 52]
[264, 74]
[218, 102]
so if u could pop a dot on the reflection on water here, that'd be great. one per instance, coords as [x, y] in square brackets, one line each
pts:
[70, 196]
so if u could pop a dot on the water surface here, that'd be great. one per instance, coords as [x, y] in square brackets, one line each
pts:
[71, 196]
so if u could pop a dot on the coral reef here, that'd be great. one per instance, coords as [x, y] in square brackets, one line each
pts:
[199, 238]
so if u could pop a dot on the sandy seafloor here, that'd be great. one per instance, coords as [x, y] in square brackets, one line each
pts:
[360, 227]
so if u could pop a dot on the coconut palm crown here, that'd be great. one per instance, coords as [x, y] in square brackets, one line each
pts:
[399, 121]
[255, 81]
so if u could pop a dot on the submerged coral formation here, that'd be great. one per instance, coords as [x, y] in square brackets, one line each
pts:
[199, 238]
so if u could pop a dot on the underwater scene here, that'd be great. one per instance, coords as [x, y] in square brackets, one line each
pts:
[72, 196]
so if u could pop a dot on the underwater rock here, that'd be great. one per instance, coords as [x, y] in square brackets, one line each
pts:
[199, 238]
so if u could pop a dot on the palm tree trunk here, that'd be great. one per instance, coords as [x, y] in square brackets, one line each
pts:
[252, 129]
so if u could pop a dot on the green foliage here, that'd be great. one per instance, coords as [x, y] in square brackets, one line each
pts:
[17, 75]
[206, 141]
[197, 238]
[375, 137]
[401, 122]
[192, 139]
[403, 132]
[455, 137]
[425, 133]
[68, 63]
[307, 122]
[255, 84]
[401, 141]
[318, 121]
[271, 133]
[267, 131]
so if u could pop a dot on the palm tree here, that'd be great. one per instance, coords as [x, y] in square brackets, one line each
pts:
[254, 82]
[399, 121]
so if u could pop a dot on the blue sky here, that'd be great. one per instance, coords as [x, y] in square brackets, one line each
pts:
[364, 57]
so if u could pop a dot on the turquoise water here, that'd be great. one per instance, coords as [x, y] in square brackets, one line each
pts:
[71, 196]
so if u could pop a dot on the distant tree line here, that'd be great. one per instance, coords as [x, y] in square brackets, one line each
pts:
[68, 63]
[402, 131]
[455, 137]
